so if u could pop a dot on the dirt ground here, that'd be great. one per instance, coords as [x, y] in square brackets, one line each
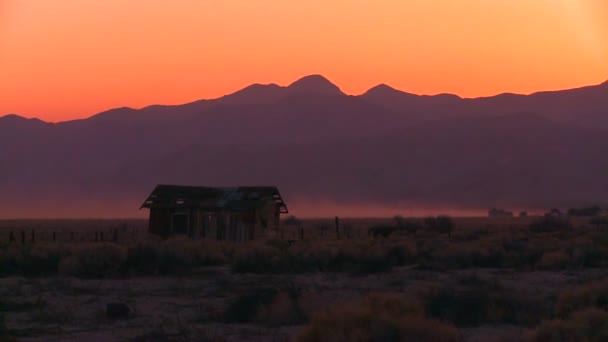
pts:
[182, 309]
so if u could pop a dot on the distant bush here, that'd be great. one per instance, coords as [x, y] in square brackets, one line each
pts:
[549, 224]
[494, 212]
[377, 318]
[410, 226]
[479, 254]
[599, 221]
[382, 230]
[293, 221]
[350, 257]
[440, 224]
[585, 325]
[589, 211]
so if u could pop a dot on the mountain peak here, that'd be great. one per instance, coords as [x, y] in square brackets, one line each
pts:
[384, 92]
[18, 118]
[114, 114]
[254, 94]
[382, 87]
[12, 117]
[315, 84]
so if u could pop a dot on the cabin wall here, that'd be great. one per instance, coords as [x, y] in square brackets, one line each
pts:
[268, 220]
[160, 222]
[238, 226]
[221, 225]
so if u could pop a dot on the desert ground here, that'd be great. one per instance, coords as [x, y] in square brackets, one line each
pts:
[480, 279]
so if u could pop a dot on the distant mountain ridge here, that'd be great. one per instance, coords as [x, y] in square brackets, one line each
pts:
[313, 141]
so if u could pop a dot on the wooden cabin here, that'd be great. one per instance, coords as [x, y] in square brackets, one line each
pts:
[232, 214]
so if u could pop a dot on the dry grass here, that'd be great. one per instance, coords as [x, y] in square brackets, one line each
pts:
[487, 243]
[586, 325]
[582, 296]
[378, 317]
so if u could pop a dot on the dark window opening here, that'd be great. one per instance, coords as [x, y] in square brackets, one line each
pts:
[179, 223]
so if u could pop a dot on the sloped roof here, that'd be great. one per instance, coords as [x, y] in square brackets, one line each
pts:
[240, 198]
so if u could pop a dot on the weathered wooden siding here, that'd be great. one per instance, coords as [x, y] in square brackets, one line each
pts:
[160, 222]
[267, 220]
[220, 224]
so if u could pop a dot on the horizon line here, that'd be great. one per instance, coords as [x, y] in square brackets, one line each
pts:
[2, 116]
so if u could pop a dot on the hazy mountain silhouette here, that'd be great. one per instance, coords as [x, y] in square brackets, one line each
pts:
[313, 141]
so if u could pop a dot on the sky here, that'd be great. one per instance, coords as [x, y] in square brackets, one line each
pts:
[67, 59]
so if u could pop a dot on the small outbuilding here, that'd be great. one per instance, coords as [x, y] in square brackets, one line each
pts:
[494, 212]
[555, 213]
[222, 213]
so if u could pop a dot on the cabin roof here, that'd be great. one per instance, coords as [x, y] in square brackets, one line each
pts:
[240, 198]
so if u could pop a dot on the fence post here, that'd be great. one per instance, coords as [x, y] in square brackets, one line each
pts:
[96, 236]
[101, 236]
[115, 235]
[337, 228]
[11, 237]
[71, 236]
[33, 236]
[22, 236]
[54, 237]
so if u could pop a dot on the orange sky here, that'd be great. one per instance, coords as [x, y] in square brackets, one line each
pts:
[62, 59]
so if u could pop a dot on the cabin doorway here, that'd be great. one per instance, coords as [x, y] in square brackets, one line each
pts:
[179, 223]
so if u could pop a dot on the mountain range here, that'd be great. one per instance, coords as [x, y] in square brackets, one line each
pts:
[318, 145]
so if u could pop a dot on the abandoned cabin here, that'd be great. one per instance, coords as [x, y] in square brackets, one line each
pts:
[232, 214]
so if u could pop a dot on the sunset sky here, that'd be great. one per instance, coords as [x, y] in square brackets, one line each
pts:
[65, 59]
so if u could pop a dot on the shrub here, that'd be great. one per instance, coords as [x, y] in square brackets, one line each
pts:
[376, 318]
[175, 256]
[94, 261]
[343, 256]
[245, 307]
[465, 255]
[583, 296]
[549, 224]
[285, 309]
[590, 211]
[495, 212]
[599, 221]
[143, 258]
[4, 332]
[472, 302]
[182, 254]
[556, 260]
[586, 325]
[410, 226]
[257, 259]
[381, 230]
[440, 224]
[30, 260]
